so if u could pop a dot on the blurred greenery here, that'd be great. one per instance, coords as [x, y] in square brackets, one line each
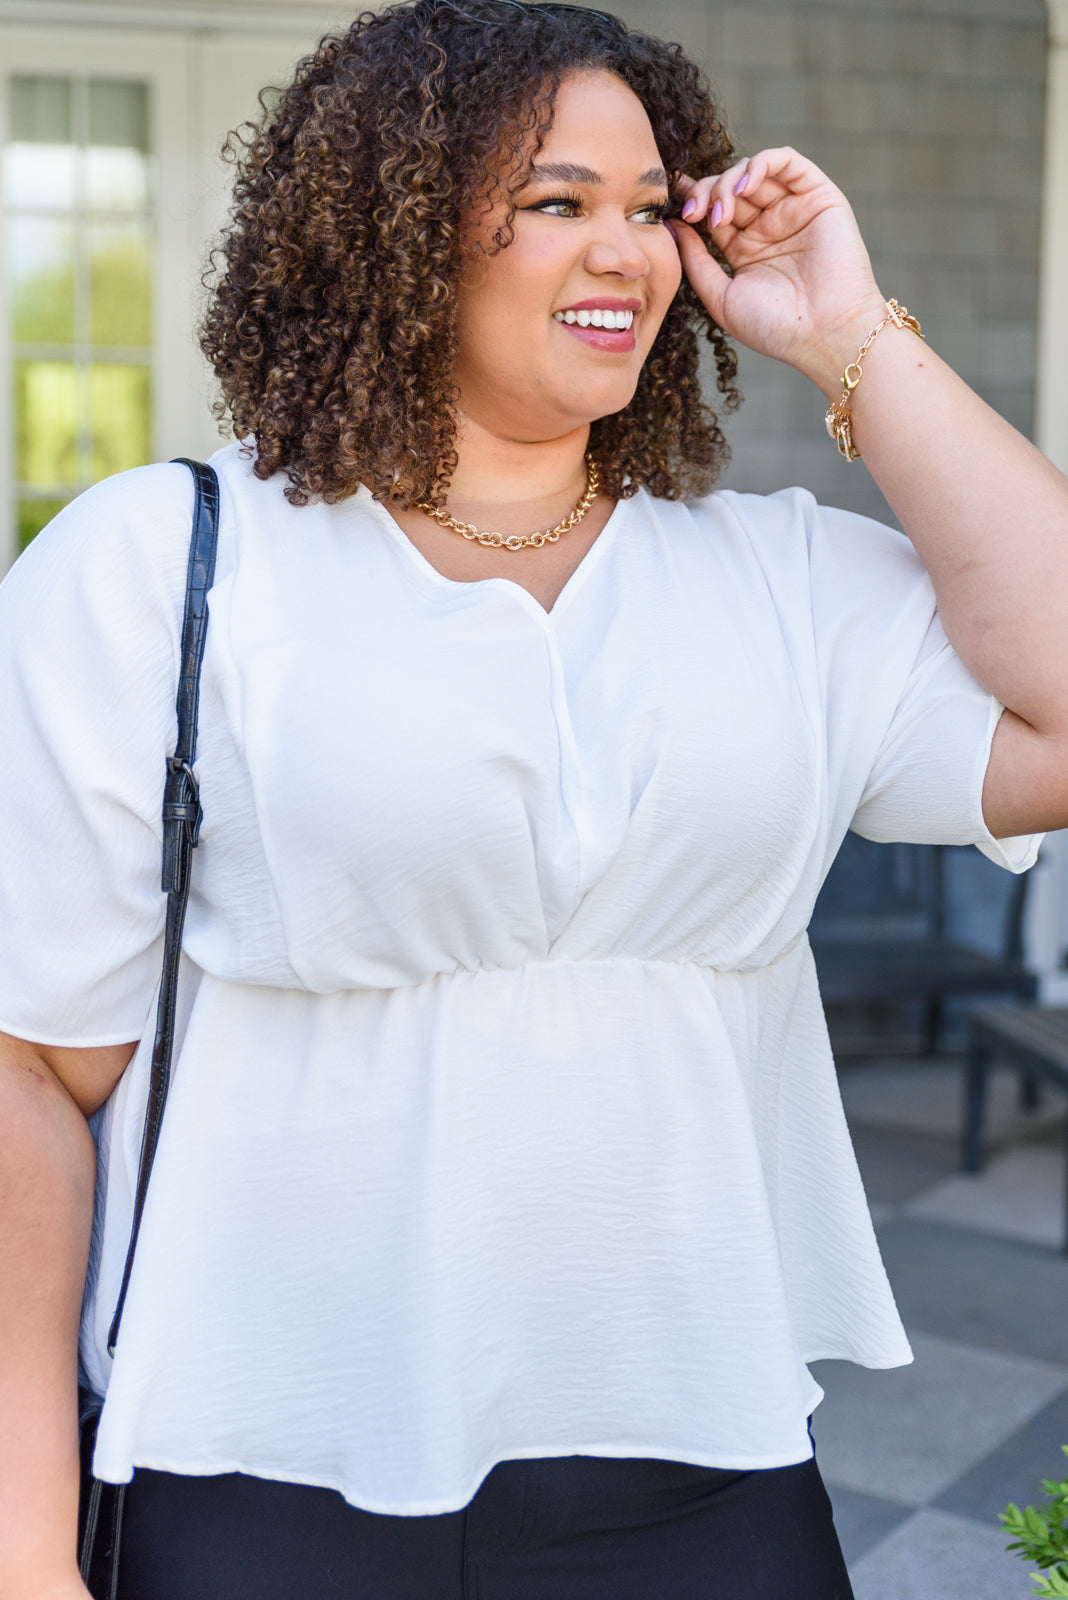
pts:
[32, 516]
[120, 407]
[109, 407]
[46, 422]
[43, 306]
[120, 287]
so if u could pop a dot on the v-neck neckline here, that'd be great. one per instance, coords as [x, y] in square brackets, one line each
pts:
[594, 555]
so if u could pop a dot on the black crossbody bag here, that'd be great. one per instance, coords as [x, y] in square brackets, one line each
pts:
[101, 1504]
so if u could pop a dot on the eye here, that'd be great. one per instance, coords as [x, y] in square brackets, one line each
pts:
[654, 213]
[559, 205]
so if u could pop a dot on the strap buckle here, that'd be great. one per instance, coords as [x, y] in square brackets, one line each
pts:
[181, 798]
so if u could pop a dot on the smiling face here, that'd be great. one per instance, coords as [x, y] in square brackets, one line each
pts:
[553, 330]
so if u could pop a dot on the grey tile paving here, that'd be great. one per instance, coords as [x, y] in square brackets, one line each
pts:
[925, 1094]
[1014, 1470]
[995, 1293]
[938, 1556]
[919, 1461]
[862, 1520]
[1019, 1195]
[909, 1433]
[900, 1164]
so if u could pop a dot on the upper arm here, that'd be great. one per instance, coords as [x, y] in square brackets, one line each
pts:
[90, 621]
[88, 1075]
[1026, 784]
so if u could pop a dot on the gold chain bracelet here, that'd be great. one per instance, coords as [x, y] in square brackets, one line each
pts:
[839, 418]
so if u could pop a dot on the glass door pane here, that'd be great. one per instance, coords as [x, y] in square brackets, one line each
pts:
[41, 279]
[79, 225]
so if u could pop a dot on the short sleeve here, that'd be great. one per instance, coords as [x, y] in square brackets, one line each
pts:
[926, 782]
[907, 727]
[89, 642]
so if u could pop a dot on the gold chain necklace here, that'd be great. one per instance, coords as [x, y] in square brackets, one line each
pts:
[520, 541]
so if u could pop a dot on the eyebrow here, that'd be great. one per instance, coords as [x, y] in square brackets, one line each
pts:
[568, 172]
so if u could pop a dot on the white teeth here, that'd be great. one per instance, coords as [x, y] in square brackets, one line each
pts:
[597, 319]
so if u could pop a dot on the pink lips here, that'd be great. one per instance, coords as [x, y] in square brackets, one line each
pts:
[617, 341]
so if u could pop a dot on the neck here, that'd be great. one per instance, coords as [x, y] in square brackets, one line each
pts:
[501, 481]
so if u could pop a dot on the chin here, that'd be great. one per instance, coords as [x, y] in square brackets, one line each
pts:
[603, 400]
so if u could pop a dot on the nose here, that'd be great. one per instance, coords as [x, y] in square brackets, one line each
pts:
[617, 251]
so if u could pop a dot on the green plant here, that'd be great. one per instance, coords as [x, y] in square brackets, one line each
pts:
[1040, 1534]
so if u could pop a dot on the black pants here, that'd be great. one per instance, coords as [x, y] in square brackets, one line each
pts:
[578, 1528]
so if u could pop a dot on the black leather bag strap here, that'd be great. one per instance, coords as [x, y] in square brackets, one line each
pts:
[181, 830]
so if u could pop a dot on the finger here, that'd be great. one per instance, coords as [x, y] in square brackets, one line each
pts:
[771, 174]
[734, 198]
[704, 272]
[710, 199]
[696, 194]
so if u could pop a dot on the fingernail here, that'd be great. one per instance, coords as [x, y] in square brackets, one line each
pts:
[717, 216]
[672, 232]
[742, 181]
[688, 209]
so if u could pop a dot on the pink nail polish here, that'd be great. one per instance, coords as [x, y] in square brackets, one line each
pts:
[717, 215]
[739, 187]
[688, 210]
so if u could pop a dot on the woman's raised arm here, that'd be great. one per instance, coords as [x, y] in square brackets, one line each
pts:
[47, 1179]
[986, 511]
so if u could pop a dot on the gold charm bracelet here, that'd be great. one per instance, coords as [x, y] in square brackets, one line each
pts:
[520, 541]
[839, 418]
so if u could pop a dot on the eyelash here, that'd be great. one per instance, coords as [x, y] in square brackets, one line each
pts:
[659, 211]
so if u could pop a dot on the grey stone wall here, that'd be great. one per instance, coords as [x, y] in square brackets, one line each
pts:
[930, 117]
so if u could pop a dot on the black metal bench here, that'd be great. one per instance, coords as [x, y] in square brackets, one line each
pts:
[1031, 1038]
[879, 933]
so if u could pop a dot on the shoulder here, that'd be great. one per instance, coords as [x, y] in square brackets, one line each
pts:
[105, 580]
[802, 546]
[121, 531]
[794, 515]
[125, 540]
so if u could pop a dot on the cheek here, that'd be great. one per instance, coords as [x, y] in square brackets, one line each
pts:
[497, 288]
[668, 267]
[665, 278]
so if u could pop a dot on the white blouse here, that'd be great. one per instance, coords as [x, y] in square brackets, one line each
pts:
[504, 1121]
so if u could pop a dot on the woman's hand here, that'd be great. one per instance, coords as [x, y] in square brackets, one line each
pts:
[800, 282]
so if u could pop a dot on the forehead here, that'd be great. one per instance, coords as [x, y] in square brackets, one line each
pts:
[600, 124]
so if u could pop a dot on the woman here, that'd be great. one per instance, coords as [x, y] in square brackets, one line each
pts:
[504, 1192]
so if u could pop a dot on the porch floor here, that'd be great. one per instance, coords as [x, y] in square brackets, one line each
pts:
[920, 1460]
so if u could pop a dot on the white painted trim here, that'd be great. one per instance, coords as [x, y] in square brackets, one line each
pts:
[1058, 21]
[182, 16]
[1051, 421]
[1047, 921]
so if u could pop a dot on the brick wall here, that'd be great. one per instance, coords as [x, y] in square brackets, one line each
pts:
[930, 117]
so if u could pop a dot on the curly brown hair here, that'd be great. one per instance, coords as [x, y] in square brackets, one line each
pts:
[331, 326]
